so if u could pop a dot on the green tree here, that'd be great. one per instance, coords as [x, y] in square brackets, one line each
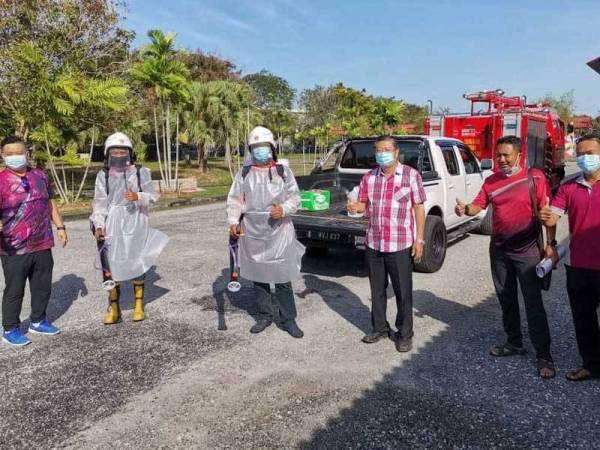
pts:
[216, 115]
[60, 67]
[69, 35]
[204, 105]
[415, 114]
[597, 125]
[564, 104]
[166, 78]
[275, 98]
[206, 67]
[319, 105]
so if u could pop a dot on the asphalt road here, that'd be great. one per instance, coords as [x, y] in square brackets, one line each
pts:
[175, 381]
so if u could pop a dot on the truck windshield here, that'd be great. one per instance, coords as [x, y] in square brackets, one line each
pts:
[361, 154]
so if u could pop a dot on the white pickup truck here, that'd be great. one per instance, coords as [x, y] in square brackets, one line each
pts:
[449, 170]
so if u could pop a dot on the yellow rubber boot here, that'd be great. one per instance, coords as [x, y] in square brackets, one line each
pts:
[138, 310]
[113, 314]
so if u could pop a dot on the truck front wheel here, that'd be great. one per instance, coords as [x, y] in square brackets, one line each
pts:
[434, 251]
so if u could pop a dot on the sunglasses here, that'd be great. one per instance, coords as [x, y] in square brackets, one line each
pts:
[25, 184]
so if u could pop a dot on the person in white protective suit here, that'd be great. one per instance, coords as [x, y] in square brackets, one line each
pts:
[265, 193]
[123, 194]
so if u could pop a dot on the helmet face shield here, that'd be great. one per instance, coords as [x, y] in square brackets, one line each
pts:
[119, 158]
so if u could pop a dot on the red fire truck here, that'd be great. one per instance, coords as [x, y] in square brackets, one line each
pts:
[493, 116]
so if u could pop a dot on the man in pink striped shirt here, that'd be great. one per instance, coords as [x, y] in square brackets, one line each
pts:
[392, 196]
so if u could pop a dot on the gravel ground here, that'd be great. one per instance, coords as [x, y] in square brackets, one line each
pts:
[175, 381]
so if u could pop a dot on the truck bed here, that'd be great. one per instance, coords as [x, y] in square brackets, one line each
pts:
[330, 227]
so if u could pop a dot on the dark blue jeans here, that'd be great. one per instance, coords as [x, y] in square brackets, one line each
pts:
[281, 302]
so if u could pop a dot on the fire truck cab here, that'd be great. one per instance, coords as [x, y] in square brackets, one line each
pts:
[493, 116]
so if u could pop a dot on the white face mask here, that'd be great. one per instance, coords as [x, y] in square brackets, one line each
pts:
[509, 172]
[16, 162]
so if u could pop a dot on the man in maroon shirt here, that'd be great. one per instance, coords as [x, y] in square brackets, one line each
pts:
[580, 199]
[514, 252]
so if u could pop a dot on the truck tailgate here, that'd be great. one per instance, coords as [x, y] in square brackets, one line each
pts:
[333, 220]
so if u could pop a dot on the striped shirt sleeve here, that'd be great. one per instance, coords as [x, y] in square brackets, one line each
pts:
[417, 189]
[363, 192]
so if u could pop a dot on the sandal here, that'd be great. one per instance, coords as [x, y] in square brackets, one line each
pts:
[546, 369]
[506, 350]
[580, 374]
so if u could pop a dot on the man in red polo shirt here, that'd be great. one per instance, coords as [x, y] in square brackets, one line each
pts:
[580, 199]
[393, 196]
[514, 251]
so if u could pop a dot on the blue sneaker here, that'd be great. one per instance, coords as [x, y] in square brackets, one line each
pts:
[43, 327]
[15, 337]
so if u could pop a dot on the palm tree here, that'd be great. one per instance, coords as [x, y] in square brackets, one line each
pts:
[198, 119]
[217, 112]
[167, 79]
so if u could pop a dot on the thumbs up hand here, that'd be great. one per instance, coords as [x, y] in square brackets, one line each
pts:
[546, 213]
[460, 208]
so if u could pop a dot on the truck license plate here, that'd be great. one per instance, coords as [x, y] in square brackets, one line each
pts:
[324, 235]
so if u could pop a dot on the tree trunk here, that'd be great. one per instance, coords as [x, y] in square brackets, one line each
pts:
[168, 157]
[228, 156]
[64, 175]
[202, 158]
[177, 152]
[160, 166]
[87, 168]
[303, 159]
[164, 149]
[54, 174]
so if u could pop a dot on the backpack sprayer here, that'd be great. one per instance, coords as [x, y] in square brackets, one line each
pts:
[108, 284]
[234, 284]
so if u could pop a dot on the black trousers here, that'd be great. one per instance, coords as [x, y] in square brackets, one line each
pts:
[35, 267]
[508, 272]
[583, 286]
[398, 266]
[283, 302]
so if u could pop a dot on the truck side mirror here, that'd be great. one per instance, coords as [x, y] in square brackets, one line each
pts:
[487, 164]
[431, 175]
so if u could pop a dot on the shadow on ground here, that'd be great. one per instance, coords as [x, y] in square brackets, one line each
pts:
[152, 291]
[224, 302]
[340, 299]
[64, 293]
[451, 394]
[338, 262]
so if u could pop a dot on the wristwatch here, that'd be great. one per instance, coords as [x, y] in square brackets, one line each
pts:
[553, 243]
[61, 228]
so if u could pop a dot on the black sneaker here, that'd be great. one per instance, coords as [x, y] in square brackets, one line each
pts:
[375, 337]
[260, 326]
[293, 329]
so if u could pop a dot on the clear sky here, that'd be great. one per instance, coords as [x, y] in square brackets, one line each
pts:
[414, 50]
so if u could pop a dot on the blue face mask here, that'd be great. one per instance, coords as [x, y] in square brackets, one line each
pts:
[16, 162]
[589, 163]
[262, 154]
[385, 159]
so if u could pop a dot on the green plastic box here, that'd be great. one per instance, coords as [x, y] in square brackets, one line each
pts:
[315, 200]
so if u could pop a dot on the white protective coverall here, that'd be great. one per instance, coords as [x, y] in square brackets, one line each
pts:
[268, 251]
[133, 247]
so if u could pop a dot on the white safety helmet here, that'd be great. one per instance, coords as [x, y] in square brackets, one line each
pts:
[261, 135]
[117, 140]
